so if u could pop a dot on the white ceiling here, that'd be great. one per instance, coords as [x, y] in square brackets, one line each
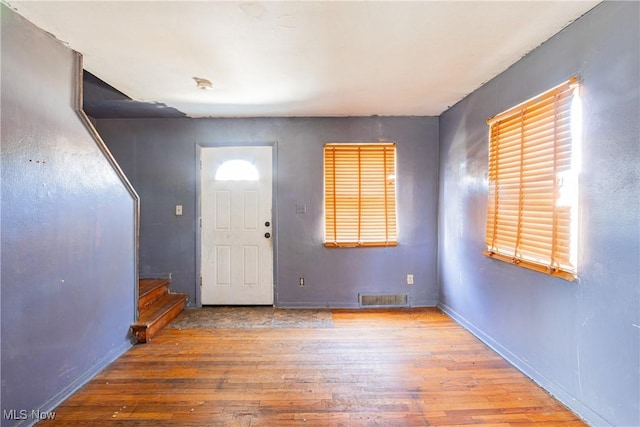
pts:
[327, 58]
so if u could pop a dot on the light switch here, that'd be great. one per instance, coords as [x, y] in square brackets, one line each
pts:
[178, 210]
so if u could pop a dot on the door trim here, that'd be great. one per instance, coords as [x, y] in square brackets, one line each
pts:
[198, 211]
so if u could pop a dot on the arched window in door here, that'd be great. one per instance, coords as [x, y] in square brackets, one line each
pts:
[237, 170]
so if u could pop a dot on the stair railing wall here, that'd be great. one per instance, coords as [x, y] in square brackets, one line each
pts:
[78, 104]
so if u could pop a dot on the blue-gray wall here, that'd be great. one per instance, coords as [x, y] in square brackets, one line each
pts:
[580, 340]
[159, 157]
[68, 231]
[67, 221]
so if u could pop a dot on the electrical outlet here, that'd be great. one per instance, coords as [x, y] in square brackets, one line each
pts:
[409, 279]
[178, 210]
[301, 282]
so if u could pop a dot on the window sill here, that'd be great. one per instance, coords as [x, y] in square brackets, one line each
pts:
[360, 244]
[562, 274]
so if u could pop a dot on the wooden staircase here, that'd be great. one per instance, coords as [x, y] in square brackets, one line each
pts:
[157, 307]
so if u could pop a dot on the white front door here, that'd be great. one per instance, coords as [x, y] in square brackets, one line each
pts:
[236, 250]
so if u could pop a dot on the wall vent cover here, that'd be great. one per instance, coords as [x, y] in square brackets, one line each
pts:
[383, 300]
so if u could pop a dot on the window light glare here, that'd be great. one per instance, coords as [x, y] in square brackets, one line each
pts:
[237, 170]
[526, 189]
[576, 162]
[576, 131]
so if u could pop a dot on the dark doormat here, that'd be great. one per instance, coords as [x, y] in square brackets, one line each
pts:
[240, 317]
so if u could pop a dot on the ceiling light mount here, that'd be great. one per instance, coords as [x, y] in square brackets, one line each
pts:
[203, 84]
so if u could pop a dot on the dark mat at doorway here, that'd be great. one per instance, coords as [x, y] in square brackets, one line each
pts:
[251, 317]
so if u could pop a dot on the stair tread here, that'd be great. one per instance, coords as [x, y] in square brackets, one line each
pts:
[155, 311]
[148, 285]
[157, 307]
[149, 290]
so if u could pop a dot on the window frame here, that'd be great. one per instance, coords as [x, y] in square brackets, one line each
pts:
[341, 227]
[534, 146]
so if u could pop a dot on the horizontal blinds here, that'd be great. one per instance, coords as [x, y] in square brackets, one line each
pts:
[360, 195]
[530, 156]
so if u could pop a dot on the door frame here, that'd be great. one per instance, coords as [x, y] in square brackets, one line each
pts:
[198, 211]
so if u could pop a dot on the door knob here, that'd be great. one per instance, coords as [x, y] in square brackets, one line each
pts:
[266, 224]
[267, 235]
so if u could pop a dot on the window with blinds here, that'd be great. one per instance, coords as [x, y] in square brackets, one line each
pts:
[360, 195]
[533, 188]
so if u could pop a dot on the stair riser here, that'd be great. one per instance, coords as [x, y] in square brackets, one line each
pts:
[160, 323]
[152, 296]
[157, 307]
[147, 326]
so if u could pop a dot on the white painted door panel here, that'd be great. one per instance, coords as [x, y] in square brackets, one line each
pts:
[236, 255]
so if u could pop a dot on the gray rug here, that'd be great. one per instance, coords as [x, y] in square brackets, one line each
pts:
[238, 317]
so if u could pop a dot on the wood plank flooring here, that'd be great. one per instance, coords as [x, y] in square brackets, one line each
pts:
[412, 367]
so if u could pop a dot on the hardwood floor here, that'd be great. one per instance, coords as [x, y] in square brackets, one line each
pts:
[413, 367]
